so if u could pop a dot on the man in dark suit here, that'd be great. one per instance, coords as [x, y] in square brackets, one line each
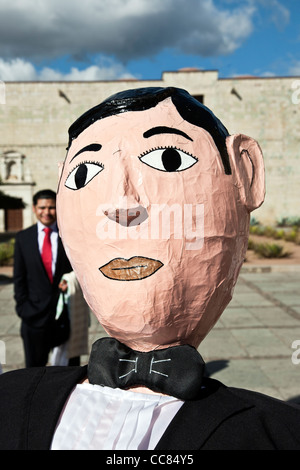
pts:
[36, 291]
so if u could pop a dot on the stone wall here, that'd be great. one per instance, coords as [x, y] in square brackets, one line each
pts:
[35, 118]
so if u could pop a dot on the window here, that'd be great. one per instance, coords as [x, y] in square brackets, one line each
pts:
[199, 98]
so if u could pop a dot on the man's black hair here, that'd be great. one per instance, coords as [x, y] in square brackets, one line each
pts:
[140, 99]
[43, 194]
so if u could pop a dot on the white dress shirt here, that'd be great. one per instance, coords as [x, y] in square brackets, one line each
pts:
[102, 418]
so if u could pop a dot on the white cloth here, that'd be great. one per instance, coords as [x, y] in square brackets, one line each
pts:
[79, 312]
[60, 356]
[102, 418]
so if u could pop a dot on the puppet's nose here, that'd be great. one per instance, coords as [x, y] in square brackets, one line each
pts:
[127, 200]
[127, 217]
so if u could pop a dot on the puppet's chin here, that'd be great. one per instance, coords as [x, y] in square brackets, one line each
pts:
[164, 323]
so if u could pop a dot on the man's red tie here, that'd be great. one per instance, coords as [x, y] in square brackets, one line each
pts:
[47, 253]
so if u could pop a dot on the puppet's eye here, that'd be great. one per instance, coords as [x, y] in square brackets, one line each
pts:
[82, 175]
[168, 159]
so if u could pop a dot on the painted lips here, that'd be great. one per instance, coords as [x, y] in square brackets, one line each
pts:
[132, 269]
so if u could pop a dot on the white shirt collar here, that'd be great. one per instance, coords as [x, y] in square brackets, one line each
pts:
[42, 226]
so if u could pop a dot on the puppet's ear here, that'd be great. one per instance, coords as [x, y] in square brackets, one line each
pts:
[247, 168]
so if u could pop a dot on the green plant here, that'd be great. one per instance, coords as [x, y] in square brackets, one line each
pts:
[7, 252]
[279, 234]
[253, 221]
[251, 244]
[270, 250]
[289, 222]
[256, 230]
[291, 235]
[269, 232]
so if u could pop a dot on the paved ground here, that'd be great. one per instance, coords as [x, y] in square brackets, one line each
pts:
[250, 347]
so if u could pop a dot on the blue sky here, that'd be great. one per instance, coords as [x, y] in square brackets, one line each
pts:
[115, 39]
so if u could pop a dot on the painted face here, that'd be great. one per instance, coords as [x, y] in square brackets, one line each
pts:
[153, 227]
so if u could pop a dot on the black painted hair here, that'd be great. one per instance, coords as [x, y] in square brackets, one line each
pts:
[43, 194]
[140, 99]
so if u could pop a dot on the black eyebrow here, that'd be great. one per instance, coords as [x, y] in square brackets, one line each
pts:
[165, 130]
[88, 148]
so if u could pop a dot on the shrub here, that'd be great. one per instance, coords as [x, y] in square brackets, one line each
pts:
[270, 250]
[256, 230]
[289, 222]
[253, 221]
[7, 252]
[289, 233]
[269, 232]
[279, 234]
[251, 244]
[291, 236]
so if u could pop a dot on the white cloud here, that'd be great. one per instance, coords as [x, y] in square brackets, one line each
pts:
[22, 70]
[126, 29]
[35, 32]
[17, 69]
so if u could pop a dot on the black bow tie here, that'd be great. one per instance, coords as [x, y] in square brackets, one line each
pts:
[175, 371]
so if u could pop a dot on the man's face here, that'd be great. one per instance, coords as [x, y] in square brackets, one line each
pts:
[152, 226]
[45, 211]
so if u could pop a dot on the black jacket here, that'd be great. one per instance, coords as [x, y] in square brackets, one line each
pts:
[36, 298]
[222, 418]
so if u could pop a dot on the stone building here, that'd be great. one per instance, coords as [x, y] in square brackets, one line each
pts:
[35, 116]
